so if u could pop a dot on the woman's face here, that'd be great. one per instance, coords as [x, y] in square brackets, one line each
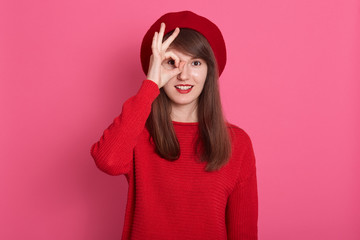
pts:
[185, 88]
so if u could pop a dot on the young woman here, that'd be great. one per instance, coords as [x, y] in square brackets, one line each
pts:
[191, 174]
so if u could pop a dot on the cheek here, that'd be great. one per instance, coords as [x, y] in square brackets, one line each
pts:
[168, 87]
[199, 74]
[169, 83]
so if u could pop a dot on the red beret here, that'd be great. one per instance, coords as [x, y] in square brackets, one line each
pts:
[186, 19]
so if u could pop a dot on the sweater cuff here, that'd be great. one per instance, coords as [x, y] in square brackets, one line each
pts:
[149, 90]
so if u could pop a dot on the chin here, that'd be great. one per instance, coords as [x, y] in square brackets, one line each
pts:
[183, 99]
[185, 103]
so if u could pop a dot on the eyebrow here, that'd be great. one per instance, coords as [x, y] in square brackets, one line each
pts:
[198, 58]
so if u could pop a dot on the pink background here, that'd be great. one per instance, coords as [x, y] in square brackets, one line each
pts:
[291, 82]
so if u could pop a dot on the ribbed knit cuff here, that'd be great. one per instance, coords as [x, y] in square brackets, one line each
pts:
[149, 90]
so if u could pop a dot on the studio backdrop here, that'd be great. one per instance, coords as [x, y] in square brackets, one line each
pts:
[291, 82]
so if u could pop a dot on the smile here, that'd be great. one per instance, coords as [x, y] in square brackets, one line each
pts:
[183, 88]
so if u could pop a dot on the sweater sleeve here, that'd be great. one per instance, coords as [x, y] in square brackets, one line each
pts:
[113, 153]
[242, 205]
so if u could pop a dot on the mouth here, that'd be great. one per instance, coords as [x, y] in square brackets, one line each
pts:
[184, 88]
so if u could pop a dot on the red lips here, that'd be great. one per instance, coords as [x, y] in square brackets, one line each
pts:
[183, 88]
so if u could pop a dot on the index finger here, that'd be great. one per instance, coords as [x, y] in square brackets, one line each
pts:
[168, 41]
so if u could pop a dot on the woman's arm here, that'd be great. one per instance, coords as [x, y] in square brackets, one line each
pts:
[242, 211]
[113, 153]
[242, 205]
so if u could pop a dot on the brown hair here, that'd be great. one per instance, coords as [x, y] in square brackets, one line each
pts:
[213, 144]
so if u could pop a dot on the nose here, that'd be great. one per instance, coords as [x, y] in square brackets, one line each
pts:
[183, 75]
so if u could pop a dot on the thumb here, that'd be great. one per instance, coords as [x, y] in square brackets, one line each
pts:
[175, 72]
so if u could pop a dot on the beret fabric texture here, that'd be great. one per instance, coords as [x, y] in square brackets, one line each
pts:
[186, 19]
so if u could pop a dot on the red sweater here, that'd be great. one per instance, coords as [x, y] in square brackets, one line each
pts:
[178, 200]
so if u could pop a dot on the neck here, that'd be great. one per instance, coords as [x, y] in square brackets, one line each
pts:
[184, 113]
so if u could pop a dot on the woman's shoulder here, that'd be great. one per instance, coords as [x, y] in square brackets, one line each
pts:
[238, 134]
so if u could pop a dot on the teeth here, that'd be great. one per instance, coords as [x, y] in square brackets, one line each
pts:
[183, 87]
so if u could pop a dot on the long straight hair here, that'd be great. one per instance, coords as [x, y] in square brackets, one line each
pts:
[214, 144]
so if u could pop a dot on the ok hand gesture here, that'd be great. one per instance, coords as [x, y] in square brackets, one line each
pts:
[157, 72]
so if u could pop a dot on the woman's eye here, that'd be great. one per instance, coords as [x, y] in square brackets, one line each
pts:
[196, 63]
[168, 63]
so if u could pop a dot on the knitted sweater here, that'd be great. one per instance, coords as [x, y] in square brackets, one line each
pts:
[178, 200]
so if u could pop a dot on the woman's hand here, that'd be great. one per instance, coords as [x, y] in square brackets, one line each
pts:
[157, 72]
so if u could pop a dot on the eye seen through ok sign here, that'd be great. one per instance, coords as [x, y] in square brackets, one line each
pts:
[164, 65]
